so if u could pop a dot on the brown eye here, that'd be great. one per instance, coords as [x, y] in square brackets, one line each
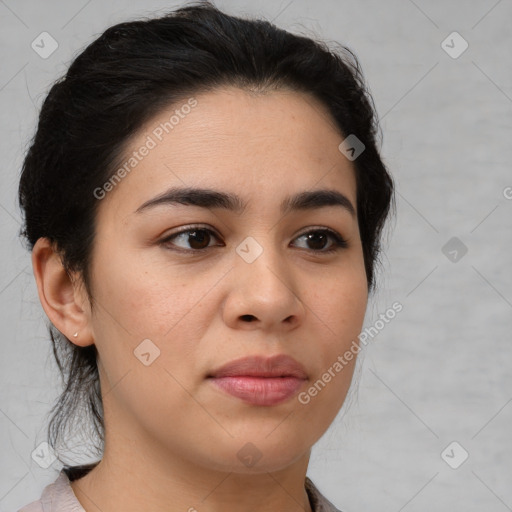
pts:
[197, 239]
[318, 238]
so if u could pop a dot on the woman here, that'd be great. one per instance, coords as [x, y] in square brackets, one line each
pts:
[204, 200]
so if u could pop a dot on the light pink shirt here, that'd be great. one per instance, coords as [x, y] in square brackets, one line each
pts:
[59, 497]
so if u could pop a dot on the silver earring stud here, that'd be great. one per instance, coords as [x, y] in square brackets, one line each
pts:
[75, 335]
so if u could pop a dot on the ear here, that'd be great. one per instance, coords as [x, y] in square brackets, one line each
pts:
[63, 299]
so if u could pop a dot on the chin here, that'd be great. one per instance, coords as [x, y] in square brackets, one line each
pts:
[260, 455]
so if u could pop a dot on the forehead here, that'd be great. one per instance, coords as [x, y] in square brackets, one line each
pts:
[264, 146]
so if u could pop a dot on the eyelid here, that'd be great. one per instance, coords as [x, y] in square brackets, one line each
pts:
[185, 229]
[339, 241]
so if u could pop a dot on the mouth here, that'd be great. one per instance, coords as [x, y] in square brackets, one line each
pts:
[261, 381]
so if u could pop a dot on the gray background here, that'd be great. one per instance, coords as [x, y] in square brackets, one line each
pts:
[440, 371]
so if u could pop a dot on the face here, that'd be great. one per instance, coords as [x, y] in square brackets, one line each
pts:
[182, 288]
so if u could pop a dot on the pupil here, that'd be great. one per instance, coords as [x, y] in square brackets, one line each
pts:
[199, 236]
[313, 236]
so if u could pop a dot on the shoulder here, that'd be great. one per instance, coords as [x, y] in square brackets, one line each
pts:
[35, 506]
[59, 497]
[56, 497]
[319, 503]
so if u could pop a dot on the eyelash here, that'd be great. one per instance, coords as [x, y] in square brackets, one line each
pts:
[339, 241]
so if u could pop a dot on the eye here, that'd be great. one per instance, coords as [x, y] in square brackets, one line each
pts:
[318, 237]
[196, 237]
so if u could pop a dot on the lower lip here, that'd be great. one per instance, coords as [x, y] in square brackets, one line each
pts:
[260, 390]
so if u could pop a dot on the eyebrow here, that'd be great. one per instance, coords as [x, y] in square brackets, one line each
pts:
[206, 198]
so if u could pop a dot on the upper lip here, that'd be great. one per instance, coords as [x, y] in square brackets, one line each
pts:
[259, 366]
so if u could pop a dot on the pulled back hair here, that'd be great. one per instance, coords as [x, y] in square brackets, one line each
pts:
[122, 80]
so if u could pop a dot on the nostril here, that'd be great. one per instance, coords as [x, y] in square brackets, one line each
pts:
[248, 318]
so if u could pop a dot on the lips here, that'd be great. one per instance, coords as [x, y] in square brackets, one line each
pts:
[258, 366]
[259, 380]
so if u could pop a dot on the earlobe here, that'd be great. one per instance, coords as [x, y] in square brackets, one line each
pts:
[59, 295]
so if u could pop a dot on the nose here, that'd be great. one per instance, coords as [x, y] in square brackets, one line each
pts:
[263, 293]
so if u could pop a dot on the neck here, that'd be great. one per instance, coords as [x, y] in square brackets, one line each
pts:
[182, 487]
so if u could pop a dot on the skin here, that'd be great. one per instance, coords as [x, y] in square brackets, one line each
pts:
[172, 437]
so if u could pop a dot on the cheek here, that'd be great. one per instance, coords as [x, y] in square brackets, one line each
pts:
[165, 307]
[340, 299]
[144, 300]
[339, 309]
